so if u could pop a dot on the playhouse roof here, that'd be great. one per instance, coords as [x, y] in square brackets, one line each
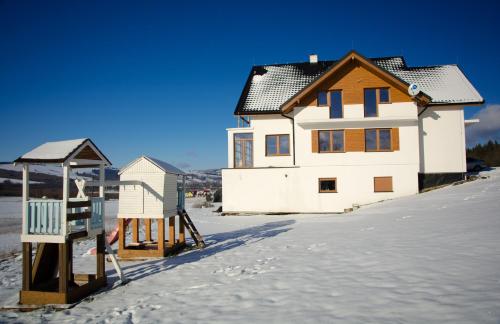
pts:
[61, 151]
[269, 87]
[162, 165]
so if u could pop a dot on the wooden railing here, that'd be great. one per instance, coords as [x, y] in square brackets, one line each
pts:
[44, 216]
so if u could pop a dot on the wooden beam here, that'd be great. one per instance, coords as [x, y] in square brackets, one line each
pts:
[171, 231]
[27, 266]
[78, 204]
[147, 223]
[101, 268]
[182, 233]
[161, 235]
[78, 216]
[135, 230]
[77, 235]
[122, 227]
[63, 268]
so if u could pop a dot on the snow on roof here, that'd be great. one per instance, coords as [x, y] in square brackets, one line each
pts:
[164, 166]
[53, 151]
[269, 86]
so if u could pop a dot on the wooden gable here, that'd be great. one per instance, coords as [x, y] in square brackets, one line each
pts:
[87, 153]
[352, 79]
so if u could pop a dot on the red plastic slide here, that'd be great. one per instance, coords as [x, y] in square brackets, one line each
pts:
[112, 237]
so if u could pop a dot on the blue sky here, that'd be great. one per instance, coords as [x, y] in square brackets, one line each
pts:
[151, 77]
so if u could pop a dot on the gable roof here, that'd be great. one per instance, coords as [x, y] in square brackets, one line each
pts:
[60, 151]
[162, 165]
[269, 87]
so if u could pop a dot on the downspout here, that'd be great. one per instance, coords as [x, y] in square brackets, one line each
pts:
[293, 134]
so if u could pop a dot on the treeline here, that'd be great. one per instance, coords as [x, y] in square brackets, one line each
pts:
[489, 152]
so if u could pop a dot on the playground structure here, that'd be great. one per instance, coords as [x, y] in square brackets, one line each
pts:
[152, 193]
[55, 224]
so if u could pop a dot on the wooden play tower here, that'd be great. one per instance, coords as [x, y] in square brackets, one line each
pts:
[53, 225]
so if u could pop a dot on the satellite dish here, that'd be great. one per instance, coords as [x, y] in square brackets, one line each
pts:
[413, 89]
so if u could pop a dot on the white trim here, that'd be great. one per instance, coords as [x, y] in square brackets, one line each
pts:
[87, 142]
[43, 238]
[240, 129]
[26, 197]
[358, 122]
[166, 214]
[468, 122]
[82, 162]
[64, 207]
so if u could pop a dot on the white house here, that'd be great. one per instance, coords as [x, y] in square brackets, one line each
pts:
[321, 136]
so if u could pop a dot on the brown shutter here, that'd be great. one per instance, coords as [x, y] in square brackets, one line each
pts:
[354, 140]
[382, 184]
[395, 139]
[314, 141]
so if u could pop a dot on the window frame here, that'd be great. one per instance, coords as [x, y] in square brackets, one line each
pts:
[331, 142]
[377, 99]
[328, 191]
[327, 99]
[243, 152]
[388, 96]
[278, 145]
[377, 140]
[329, 95]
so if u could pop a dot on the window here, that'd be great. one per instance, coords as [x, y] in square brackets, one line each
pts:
[382, 184]
[370, 102]
[373, 97]
[383, 95]
[331, 141]
[277, 145]
[377, 140]
[336, 104]
[328, 185]
[243, 150]
[322, 98]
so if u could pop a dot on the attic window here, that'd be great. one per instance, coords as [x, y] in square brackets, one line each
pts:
[383, 95]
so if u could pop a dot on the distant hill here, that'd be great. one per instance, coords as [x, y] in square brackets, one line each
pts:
[46, 180]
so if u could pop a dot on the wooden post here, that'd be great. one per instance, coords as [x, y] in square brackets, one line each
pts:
[27, 266]
[26, 197]
[63, 268]
[135, 230]
[182, 234]
[64, 212]
[147, 223]
[161, 235]
[102, 177]
[101, 268]
[121, 234]
[171, 232]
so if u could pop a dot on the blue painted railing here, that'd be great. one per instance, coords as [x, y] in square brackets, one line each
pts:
[44, 217]
[181, 198]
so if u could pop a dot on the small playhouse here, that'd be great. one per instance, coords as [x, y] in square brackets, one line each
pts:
[152, 190]
[54, 224]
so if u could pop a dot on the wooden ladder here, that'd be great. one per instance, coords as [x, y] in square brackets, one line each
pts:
[198, 239]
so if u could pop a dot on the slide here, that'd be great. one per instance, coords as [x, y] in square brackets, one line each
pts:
[112, 237]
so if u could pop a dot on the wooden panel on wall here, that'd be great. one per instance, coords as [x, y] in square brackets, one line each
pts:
[314, 141]
[382, 184]
[352, 79]
[354, 140]
[395, 139]
[87, 154]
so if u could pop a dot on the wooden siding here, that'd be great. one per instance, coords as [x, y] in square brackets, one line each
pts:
[395, 139]
[382, 184]
[352, 79]
[87, 153]
[354, 140]
[314, 141]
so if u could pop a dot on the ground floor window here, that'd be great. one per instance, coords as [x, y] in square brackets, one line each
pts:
[328, 185]
[382, 184]
[243, 150]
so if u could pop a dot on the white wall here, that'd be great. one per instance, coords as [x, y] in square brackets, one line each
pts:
[297, 189]
[442, 138]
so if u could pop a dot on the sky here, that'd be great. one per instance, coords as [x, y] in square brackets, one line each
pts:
[163, 79]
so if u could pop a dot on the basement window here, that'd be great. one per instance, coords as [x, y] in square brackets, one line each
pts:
[327, 185]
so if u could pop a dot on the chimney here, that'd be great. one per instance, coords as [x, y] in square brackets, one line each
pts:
[313, 58]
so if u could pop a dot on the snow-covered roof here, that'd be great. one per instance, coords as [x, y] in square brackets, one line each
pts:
[164, 166]
[60, 151]
[268, 87]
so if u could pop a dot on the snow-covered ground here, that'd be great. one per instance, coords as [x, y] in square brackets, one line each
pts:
[433, 257]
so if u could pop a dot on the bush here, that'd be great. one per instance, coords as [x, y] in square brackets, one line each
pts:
[218, 195]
